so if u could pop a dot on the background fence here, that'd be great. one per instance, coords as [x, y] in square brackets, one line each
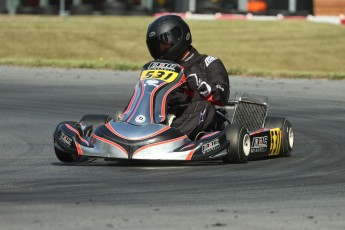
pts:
[147, 7]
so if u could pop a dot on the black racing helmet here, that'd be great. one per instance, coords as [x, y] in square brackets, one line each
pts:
[168, 37]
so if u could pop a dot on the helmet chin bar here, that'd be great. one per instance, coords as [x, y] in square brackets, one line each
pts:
[165, 47]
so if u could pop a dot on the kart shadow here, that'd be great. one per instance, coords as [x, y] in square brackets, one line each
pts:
[92, 162]
[137, 163]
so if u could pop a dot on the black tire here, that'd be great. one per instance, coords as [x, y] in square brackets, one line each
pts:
[92, 121]
[287, 133]
[239, 147]
[95, 119]
[66, 157]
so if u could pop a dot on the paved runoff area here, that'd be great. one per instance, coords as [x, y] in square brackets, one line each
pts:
[304, 191]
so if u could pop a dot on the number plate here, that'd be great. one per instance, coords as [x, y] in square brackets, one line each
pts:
[164, 75]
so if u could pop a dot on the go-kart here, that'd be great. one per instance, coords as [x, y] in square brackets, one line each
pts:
[143, 132]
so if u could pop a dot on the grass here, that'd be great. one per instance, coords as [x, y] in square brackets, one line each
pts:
[254, 48]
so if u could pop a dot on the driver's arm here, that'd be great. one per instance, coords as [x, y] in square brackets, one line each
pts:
[218, 79]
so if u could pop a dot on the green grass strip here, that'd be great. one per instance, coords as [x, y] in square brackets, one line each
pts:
[298, 49]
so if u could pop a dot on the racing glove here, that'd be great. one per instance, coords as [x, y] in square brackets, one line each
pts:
[195, 83]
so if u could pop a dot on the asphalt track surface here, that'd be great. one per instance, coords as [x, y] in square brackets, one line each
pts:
[304, 191]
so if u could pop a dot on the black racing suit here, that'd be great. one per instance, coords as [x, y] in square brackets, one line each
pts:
[194, 112]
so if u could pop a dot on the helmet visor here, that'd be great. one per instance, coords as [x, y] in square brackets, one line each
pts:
[160, 45]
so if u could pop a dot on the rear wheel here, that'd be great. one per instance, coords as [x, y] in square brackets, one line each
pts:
[287, 133]
[239, 148]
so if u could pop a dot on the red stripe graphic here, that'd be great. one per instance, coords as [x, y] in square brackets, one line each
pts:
[190, 154]
[136, 107]
[140, 138]
[159, 143]
[188, 146]
[80, 152]
[111, 143]
[259, 131]
[76, 131]
[165, 98]
[210, 135]
[151, 100]
[132, 100]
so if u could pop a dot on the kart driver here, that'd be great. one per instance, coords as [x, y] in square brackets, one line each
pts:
[207, 82]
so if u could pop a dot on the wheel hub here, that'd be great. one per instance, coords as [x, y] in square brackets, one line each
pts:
[246, 145]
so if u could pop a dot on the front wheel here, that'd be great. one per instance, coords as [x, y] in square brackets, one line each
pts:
[66, 157]
[287, 133]
[90, 122]
[239, 148]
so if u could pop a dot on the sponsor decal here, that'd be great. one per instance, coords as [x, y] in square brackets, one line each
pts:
[151, 34]
[210, 146]
[140, 119]
[162, 66]
[152, 82]
[209, 60]
[65, 139]
[259, 144]
[188, 147]
[188, 36]
[188, 58]
[220, 87]
[276, 141]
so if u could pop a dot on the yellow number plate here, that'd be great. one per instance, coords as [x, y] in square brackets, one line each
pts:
[164, 75]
